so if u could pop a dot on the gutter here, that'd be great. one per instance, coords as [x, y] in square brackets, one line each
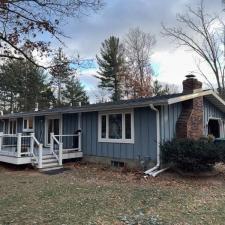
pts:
[152, 170]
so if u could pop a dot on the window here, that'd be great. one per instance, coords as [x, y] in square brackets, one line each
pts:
[28, 124]
[12, 127]
[116, 127]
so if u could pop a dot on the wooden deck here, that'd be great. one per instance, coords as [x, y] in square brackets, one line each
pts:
[19, 150]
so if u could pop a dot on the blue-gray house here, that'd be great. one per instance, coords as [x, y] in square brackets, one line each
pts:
[125, 132]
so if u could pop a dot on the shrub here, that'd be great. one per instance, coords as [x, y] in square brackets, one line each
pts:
[190, 155]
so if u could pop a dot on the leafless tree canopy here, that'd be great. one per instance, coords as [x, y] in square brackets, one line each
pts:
[138, 49]
[204, 35]
[25, 23]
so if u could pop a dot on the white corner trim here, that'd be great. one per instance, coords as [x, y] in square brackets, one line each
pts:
[123, 139]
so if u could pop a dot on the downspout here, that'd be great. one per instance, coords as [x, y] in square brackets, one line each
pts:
[150, 171]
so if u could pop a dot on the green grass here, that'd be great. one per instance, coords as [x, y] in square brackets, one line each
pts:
[90, 195]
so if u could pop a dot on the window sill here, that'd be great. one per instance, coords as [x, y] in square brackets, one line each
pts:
[116, 141]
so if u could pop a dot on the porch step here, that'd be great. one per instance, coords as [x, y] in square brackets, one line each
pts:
[49, 160]
[49, 156]
[49, 165]
[51, 168]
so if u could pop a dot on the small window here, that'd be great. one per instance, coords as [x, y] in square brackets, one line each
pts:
[116, 127]
[128, 126]
[12, 127]
[28, 124]
[103, 121]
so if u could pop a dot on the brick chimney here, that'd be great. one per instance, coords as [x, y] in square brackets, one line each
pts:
[190, 121]
[191, 85]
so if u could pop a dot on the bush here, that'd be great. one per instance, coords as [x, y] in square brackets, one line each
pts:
[190, 155]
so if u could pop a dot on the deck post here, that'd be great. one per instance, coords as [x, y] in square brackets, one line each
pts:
[51, 142]
[32, 143]
[40, 154]
[60, 153]
[1, 140]
[19, 137]
[79, 141]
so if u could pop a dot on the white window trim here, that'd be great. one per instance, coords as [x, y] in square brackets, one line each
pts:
[9, 125]
[221, 124]
[110, 140]
[27, 129]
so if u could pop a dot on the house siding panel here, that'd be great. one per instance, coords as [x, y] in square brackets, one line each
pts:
[1, 126]
[144, 134]
[168, 118]
[69, 126]
[20, 125]
[40, 128]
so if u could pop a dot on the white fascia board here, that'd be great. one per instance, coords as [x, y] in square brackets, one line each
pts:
[190, 96]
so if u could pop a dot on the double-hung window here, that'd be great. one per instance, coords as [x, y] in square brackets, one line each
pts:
[116, 127]
[28, 124]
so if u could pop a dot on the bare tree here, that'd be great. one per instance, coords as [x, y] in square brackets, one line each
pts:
[24, 22]
[204, 35]
[138, 48]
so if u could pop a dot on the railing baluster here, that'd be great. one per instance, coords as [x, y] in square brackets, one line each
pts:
[60, 153]
[1, 140]
[40, 156]
[19, 135]
[32, 144]
[79, 142]
[51, 142]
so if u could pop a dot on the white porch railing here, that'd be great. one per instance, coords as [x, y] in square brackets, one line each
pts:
[19, 145]
[56, 151]
[63, 143]
[37, 156]
[70, 142]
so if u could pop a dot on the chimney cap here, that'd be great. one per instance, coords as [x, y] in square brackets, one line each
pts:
[190, 76]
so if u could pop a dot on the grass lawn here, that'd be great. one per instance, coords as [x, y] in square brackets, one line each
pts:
[90, 194]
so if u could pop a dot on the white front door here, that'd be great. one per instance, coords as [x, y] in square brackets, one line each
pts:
[52, 126]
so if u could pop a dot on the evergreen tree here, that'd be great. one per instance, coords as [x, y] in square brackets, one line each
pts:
[22, 84]
[61, 72]
[159, 89]
[74, 93]
[111, 64]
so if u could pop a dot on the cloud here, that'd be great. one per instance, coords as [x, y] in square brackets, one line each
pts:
[87, 34]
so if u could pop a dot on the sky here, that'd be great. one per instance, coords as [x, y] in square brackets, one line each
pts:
[170, 63]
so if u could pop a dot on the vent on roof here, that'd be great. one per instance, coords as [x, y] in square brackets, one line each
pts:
[36, 107]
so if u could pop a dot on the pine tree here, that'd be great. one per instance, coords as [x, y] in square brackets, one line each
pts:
[22, 86]
[74, 93]
[111, 67]
[159, 89]
[61, 72]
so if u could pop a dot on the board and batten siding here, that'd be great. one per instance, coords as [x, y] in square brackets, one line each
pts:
[39, 128]
[19, 125]
[169, 115]
[210, 111]
[2, 125]
[144, 147]
[69, 126]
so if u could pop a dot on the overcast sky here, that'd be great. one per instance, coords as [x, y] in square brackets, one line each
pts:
[117, 16]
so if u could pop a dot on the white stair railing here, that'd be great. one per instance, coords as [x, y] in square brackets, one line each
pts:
[70, 142]
[58, 155]
[39, 157]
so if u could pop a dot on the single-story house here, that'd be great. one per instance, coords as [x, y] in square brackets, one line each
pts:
[125, 132]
